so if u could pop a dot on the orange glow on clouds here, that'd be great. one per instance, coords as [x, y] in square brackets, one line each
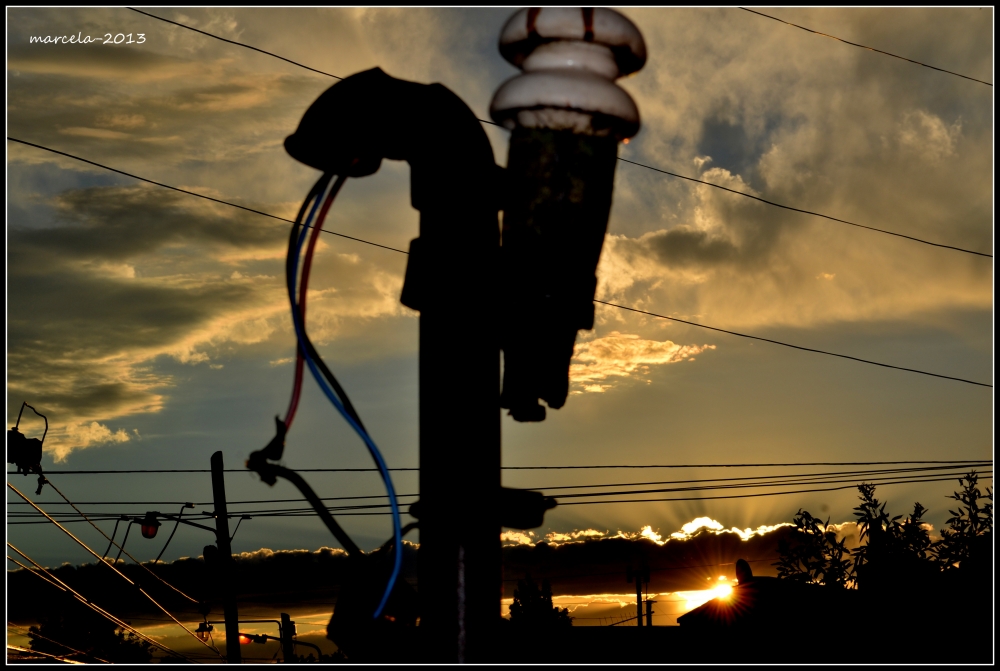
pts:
[687, 531]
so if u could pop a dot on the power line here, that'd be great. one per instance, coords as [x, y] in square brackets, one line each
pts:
[61, 645]
[897, 479]
[757, 480]
[18, 648]
[749, 465]
[122, 575]
[648, 167]
[192, 193]
[247, 46]
[798, 347]
[890, 480]
[622, 307]
[239, 44]
[855, 44]
[120, 547]
[745, 496]
[51, 579]
[809, 212]
[541, 468]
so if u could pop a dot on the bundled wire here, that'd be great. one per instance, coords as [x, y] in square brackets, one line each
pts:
[321, 197]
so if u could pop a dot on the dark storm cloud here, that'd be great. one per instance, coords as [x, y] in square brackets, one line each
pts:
[96, 316]
[116, 223]
[687, 246]
[83, 325]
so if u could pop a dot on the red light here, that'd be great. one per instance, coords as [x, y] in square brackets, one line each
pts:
[150, 525]
[244, 639]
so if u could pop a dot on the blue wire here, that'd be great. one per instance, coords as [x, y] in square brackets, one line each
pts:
[370, 444]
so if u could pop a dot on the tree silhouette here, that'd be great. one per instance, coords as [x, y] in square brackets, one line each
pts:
[816, 556]
[83, 629]
[895, 550]
[533, 609]
[968, 526]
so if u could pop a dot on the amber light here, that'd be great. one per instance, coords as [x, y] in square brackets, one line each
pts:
[203, 631]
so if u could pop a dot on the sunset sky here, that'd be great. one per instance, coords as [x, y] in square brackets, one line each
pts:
[153, 328]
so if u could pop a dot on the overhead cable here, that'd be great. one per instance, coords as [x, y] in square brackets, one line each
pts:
[370, 509]
[36, 634]
[615, 305]
[539, 468]
[239, 44]
[855, 44]
[809, 212]
[119, 573]
[192, 193]
[666, 172]
[65, 660]
[120, 547]
[752, 480]
[51, 579]
[798, 347]
[747, 496]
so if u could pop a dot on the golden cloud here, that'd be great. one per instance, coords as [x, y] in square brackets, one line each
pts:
[89, 364]
[624, 355]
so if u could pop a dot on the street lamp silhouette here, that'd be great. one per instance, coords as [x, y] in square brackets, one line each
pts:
[203, 631]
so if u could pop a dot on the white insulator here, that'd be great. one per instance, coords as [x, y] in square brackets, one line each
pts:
[530, 26]
[573, 54]
[570, 57]
[566, 99]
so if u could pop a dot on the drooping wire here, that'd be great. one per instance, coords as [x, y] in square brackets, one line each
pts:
[121, 548]
[176, 524]
[307, 352]
[112, 539]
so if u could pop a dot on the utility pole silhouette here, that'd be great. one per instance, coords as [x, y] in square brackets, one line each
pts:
[226, 566]
[529, 297]
[641, 576]
[287, 632]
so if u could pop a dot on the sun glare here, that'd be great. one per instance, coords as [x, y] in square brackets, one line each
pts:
[722, 591]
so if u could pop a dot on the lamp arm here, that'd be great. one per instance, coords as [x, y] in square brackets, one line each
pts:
[314, 647]
[187, 522]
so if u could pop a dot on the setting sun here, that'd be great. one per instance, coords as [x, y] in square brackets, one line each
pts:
[722, 591]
